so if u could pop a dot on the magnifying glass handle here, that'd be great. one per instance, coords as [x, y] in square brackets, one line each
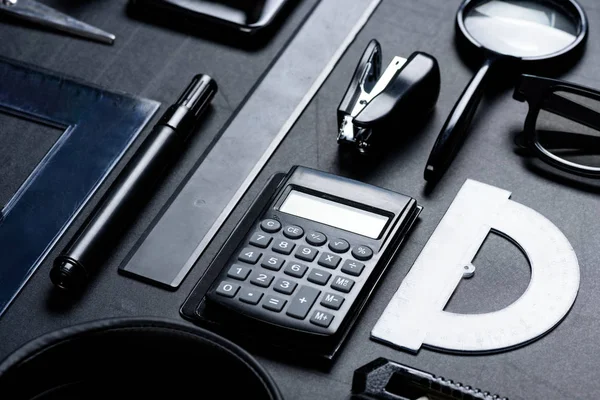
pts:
[457, 125]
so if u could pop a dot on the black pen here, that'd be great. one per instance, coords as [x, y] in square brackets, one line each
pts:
[456, 128]
[134, 185]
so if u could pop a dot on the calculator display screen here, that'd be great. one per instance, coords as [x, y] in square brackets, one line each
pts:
[334, 214]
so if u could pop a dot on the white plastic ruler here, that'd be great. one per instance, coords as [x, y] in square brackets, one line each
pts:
[415, 316]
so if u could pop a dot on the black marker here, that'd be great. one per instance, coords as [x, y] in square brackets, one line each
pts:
[88, 249]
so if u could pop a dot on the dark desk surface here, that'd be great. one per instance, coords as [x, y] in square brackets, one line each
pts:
[156, 62]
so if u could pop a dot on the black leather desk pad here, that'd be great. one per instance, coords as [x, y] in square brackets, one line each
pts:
[156, 62]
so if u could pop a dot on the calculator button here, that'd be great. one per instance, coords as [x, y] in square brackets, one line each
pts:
[239, 272]
[272, 262]
[283, 246]
[306, 253]
[339, 245]
[250, 296]
[249, 255]
[316, 238]
[228, 289]
[321, 318]
[329, 260]
[270, 225]
[293, 232]
[260, 240]
[295, 269]
[362, 253]
[284, 286]
[273, 303]
[302, 302]
[260, 279]
[319, 276]
[352, 267]
[342, 284]
[332, 301]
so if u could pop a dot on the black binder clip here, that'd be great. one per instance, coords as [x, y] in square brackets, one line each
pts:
[377, 104]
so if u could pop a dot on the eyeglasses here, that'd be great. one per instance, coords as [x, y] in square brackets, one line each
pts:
[563, 124]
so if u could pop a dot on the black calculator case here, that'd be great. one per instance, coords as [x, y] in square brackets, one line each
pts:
[271, 338]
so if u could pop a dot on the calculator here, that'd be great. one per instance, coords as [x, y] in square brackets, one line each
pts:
[301, 264]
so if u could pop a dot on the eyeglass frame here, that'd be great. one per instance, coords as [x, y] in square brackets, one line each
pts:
[539, 93]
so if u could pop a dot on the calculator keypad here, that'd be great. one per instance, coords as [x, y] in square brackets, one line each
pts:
[321, 318]
[250, 296]
[249, 255]
[352, 267]
[329, 260]
[272, 262]
[273, 303]
[316, 238]
[332, 301]
[319, 276]
[261, 279]
[285, 286]
[228, 289]
[270, 225]
[296, 270]
[302, 302]
[339, 245]
[239, 272]
[261, 240]
[306, 253]
[283, 246]
[285, 270]
[293, 232]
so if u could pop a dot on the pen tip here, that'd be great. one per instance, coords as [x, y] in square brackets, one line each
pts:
[67, 276]
[430, 173]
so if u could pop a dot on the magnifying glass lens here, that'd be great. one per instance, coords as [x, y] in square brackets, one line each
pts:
[522, 28]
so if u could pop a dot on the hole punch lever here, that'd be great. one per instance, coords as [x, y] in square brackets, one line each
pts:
[376, 101]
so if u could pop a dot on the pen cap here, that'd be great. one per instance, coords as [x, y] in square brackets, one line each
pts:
[198, 94]
[186, 112]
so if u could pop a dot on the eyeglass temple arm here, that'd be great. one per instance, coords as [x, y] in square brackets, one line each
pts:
[571, 110]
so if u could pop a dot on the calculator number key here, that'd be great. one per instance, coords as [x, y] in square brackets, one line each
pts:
[260, 279]
[260, 240]
[273, 303]
[352, 267]
[283, 246]
[296, 270]
[270, 225]
[342, 284]
[319, 277]
[250, 296]
[316, 238]
[284, 286]
[238, 272]
[249, 255]
[228, 289]
[302, 302]
[332, 301]
[273, 263]
[306, 253]
[329, 260]
[321, 318]
[293, 232]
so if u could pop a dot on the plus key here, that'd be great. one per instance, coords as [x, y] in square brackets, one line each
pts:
[301, 303]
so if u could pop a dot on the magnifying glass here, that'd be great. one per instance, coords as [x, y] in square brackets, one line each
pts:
[520, 32]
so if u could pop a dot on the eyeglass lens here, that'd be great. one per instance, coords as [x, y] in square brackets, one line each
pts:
[567, 139]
